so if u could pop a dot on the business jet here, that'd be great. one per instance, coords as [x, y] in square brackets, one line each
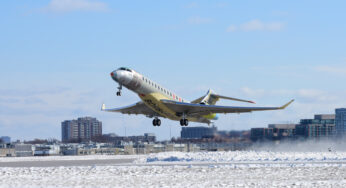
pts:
[157, 101]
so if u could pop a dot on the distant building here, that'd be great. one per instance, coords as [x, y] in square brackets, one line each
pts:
[282, 131]
[261, 134]
[340, 121]
[5, 139]
[197, 132]
[23, 150]
[121, 140]
[148, 137]
[322, 125]
[46, 150]
[82, 129]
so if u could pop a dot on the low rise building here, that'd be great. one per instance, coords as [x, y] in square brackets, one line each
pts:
[23, 150]
[7, 150]
[46, 150]
[198, 132]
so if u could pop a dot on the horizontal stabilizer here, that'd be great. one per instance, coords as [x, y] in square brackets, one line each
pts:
[211, 98]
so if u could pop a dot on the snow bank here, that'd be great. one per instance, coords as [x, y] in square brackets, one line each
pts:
[242, 156]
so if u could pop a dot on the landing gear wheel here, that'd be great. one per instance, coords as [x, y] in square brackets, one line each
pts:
[184, 122]
[156, 122]
[118, 93]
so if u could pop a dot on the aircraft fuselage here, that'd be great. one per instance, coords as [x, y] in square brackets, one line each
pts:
[150, 92]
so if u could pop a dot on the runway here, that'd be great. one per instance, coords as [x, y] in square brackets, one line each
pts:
[58, 163]
[129, 162]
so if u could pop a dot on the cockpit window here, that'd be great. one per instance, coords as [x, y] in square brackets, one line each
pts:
[125, 69]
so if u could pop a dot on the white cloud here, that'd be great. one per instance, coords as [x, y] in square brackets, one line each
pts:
[256, 25]
[232, 28]
[75, 5]
[339, 70]
[198, 20]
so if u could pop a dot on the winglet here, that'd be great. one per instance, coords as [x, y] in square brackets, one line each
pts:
[284, 106]
[103, 107]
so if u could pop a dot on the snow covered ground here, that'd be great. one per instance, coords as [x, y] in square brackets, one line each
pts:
[243, 156]
[202, 169]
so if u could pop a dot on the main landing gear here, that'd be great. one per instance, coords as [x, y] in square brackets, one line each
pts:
[119, 90]
[184, 122]
[156, 122]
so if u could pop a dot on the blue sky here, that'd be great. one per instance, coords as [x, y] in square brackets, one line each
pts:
[56, 56]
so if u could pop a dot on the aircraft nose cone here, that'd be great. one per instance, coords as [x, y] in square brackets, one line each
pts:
[114, 75]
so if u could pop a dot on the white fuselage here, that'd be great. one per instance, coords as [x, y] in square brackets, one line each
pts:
[150, 92]
[142, 85]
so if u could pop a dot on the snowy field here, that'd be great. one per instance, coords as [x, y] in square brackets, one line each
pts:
[202, 169]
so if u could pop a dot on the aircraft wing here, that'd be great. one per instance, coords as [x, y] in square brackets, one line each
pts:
[192, 109]
[138, 108]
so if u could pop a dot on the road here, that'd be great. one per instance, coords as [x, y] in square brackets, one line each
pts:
[57, 163]
[129, 162]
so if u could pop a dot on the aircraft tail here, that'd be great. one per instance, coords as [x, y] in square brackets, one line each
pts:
[211, 98]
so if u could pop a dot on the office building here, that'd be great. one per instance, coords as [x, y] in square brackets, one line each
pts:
[198, 132]
[82, 129]
[321, 126]
[261, 134]
[340, 121]
[5, 140]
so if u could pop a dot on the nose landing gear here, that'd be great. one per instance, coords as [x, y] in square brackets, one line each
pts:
[119, 90]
